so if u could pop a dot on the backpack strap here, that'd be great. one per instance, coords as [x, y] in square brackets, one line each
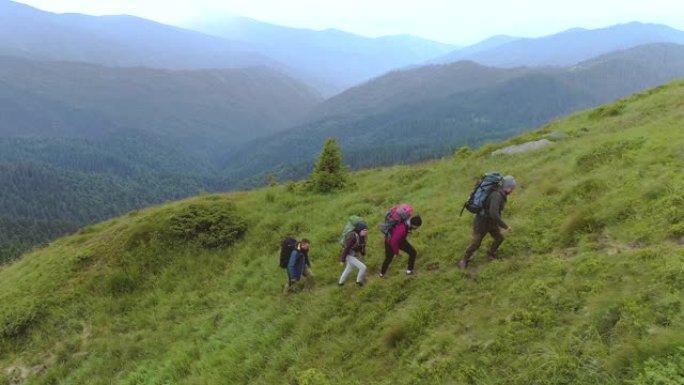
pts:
[357, 238]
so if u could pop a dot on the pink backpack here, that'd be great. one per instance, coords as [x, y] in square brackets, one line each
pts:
[396, 215]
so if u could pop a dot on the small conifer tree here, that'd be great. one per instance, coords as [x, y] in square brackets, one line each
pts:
[329, 173]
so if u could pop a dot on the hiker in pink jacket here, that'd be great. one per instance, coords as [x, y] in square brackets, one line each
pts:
[396, 240]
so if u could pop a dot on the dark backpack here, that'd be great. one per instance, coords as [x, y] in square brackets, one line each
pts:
[396, 215]
[489, 182]
[287, 246]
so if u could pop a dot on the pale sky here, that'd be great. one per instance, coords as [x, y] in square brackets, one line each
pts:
[451, 21]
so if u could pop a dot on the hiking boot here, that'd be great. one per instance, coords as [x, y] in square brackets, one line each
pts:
[409, 272]
[381, 275]
[463, 264]
[359, 284]
[340, 284]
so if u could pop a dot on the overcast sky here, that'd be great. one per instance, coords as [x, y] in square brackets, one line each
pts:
[451, 21]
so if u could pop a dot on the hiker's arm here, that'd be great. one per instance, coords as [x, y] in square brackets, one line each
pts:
[348, 245]
[495, 210]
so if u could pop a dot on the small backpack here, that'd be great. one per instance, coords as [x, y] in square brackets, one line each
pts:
[489, 182]
[287, 246]
[349, 227]
[396, 215]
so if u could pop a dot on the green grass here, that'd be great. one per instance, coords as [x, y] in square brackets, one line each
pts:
[589, 291]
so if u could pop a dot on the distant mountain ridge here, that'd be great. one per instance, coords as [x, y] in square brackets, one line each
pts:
[568, 47]
[197, 108]
[124, 41]
[336, 58]
[463, 53]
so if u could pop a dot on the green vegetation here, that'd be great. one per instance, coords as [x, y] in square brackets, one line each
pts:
[329, 174]
[589, 291]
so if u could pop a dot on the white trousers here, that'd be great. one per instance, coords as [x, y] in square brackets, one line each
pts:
[353, 262]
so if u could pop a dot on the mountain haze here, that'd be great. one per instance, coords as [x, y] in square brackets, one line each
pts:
[334, 59]
[201, 108]
[124, 41]
[570, 47]
[485, 45]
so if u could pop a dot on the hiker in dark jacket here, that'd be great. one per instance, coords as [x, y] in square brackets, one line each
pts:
[299, 264]
[398, 240]
[489, 221]
[354, 249]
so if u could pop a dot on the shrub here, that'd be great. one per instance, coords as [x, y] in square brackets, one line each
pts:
[395, 335]
[463, 152]
[665, 371]
[312, 377]
[606, 152]
[16, 318]
[677, 230]
[582, 222]
[211, 226]
[121, 282]
[608, 111]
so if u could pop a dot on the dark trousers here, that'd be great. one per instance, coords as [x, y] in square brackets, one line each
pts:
[403, 246]
[482, 227]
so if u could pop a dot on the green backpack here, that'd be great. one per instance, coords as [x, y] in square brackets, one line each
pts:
[351, 225]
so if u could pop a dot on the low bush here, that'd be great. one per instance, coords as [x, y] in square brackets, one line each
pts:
[664, 371]
[211, 226]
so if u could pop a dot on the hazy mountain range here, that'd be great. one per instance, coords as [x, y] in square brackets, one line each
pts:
[329, 60]
[333, 59]
[565, 48]
[201, 109]
[115, 41]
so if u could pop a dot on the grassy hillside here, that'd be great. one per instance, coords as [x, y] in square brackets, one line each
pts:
[589, 290]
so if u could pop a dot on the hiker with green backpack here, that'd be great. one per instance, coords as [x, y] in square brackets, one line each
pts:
[487, 202]
[354, 239]
[398, 223]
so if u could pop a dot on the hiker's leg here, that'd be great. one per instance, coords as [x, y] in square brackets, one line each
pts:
[359, 265]
[389, 255]
[498, 240]
[474, 245]
[411, 251]
[347, 270]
